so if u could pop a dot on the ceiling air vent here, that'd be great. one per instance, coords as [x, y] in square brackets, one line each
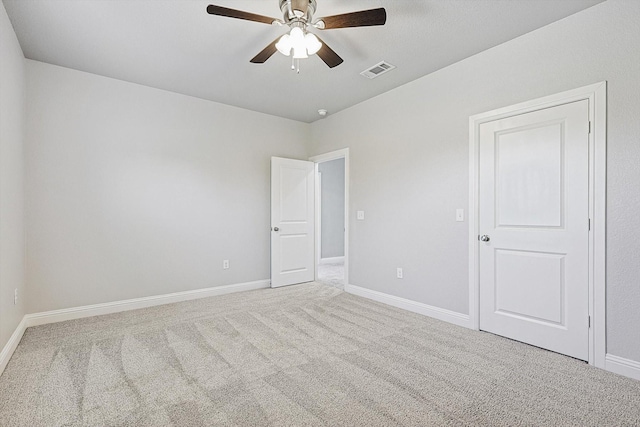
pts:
[378, 70]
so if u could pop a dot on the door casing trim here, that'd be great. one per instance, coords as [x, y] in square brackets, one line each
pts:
[596, 94]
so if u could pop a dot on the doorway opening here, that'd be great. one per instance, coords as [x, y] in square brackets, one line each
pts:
[332, 218]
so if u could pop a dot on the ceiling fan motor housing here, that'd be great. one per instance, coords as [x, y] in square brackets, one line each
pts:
[298, 10]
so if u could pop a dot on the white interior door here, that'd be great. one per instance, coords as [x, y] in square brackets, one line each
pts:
[534, 228]
[292, 221]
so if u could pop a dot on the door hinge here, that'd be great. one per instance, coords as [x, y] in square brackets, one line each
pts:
[589, 126]
[589, 321]
[589, 224]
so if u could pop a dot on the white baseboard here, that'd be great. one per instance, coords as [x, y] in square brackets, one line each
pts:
[333, 260]
[413, 306]
[620, 365]
[54, 316]
[11, 345]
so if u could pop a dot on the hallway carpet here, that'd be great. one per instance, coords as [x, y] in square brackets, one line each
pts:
[332, 274]
[305, 355]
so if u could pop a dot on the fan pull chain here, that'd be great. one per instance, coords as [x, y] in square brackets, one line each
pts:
[295, 65]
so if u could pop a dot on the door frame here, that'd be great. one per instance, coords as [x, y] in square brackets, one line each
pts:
[321, 158]
[318, 219]
[596, 94]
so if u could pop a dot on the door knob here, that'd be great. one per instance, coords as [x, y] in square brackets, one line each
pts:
[485, 238]
[276, 229]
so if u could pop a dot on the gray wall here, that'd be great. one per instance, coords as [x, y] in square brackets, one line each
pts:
[409, 151]
[12, 122]
[134, 191]
[332, 204]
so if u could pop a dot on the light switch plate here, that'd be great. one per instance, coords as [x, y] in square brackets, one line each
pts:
[459, 215]
[360, 215]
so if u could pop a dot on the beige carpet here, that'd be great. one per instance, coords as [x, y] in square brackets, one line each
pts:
[295, 356]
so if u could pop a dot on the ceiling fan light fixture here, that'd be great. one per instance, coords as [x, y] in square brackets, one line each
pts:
[302, 44]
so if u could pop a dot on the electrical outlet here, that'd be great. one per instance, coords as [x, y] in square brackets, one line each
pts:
[360, 215]
[399, 273]
[15, 296]
[225, 264]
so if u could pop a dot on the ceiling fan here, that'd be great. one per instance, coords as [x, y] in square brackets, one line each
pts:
[299, 42]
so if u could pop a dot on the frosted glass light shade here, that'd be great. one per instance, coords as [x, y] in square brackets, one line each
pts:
[300, 52]
[297, 35]
[284, 45]
[313, 44]
[297, 39]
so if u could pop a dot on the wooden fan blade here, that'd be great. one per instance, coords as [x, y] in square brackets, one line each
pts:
[266, 53]
[364, 18]
[329, 57]
[238, 14]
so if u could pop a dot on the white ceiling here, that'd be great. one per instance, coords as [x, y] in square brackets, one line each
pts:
[175, 45]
